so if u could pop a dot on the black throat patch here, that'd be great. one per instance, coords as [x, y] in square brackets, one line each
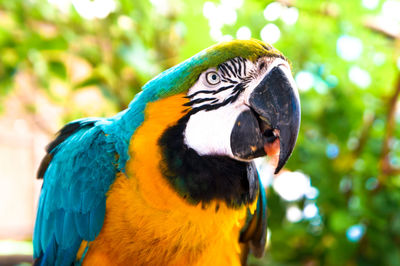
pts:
[204, 178]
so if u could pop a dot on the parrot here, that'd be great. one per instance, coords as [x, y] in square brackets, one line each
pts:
[171, 180]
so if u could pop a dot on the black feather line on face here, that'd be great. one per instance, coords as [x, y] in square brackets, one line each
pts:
[239, 67]
[210, 91]
[223, 70]
[234, 68]
[231, 70]
[204, 178]
[232, 81]
[223, 89]
[210, 107]
[200, 100]
[237, 90]
[199, 92]
[244, 67]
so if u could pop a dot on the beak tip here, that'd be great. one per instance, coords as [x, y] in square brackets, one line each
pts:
[288, 141]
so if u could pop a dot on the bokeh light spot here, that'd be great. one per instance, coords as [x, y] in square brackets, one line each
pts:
[235, 4]
[379, 59]
[345, 185]
[161, 6]
[270, 33]
[304, 80]
[209, 9]
[332, 151]
[312, 193]
[371, 183]
[370, 4]
[62, 5]
[216, 33]
[310, 211]
[125, 22]
[291, 186]
[320, 86]
[354, 233]
[349, 48]
[391, 11]
[94, 9]
[294, 214]
[265, 171]
[290, 15]
[243, 33]
[394, 160]
[359, 77]
[352, 143]
[228, 15]
[273, 11]
[219, 15]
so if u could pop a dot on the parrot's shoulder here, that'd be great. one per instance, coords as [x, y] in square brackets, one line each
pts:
[80, 165]
[78, 136]
[67, 131]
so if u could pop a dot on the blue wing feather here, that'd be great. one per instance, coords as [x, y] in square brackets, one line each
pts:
[80, 222]
[81, 168]
[50, 253]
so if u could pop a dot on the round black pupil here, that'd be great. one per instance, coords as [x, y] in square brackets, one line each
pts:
[214, 77]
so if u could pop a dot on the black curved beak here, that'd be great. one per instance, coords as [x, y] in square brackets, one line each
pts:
[278, 105]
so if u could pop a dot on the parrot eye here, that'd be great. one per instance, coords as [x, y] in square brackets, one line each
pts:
[213, 78]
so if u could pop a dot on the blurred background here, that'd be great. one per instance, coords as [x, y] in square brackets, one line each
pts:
[338, 201]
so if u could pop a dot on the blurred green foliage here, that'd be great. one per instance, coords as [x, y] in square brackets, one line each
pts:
[349, 144]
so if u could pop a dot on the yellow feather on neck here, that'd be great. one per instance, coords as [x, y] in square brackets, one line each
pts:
[147, 222]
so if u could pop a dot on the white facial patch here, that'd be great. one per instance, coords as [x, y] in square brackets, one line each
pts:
[209, 132]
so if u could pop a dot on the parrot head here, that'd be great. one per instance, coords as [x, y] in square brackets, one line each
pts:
[245, 109]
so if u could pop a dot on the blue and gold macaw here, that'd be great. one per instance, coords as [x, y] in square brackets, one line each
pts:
[171, 179]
